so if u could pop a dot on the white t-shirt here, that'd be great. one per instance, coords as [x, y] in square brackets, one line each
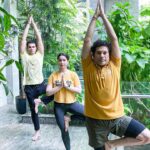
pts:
[32, 65]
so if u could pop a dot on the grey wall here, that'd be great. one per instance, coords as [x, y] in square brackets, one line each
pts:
[135, 5]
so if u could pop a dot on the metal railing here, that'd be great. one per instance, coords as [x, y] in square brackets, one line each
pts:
[135, 96]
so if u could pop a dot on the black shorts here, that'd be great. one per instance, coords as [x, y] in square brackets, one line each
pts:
[134, 129]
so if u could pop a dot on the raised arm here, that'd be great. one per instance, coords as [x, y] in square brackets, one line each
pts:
[40, 45]
[24, 36]
[89, 35]
[111, 33]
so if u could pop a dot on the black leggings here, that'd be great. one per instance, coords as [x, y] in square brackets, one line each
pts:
[32, 92]
[100, 148]
[60, 110]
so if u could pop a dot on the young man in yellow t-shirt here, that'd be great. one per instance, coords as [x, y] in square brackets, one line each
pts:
[32, 54]
[104, 109]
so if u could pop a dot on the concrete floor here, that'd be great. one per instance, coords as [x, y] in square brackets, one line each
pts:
[17, 136]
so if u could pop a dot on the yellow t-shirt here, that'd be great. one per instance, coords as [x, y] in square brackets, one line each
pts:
[102, 89]
[64, 95]
[32, 65]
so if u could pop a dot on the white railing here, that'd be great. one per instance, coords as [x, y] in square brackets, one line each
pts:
[135, 95]
[130, 96]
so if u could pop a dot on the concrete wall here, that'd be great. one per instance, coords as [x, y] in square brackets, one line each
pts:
[135, 5]
[145, 3]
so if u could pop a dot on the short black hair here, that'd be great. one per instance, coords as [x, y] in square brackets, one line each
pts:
[100, 43]
[32, 42]
[63, 54]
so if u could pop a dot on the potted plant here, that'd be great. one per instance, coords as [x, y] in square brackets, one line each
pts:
[21, 99]
[7, 32]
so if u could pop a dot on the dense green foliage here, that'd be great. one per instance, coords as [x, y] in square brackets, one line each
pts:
[62, 24]
[7, 31]
[134, 40]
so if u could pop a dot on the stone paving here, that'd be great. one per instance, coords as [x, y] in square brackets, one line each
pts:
[17, 136]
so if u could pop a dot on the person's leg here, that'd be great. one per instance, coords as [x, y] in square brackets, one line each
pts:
[44, 99]
[59, 110]
[77, 111]
[47, 99]
[136, 134]
[30, 93]
[67, 119]
[100, 148]
[98, 131]
[41, 89]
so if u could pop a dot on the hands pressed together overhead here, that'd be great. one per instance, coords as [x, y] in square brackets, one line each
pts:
[31, 21]
[99, 12]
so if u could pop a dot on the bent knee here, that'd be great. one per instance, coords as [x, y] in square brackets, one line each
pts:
[144, 137]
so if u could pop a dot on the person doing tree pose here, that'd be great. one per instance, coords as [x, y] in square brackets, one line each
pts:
[32, 54]
[104, 110]
[65, 84]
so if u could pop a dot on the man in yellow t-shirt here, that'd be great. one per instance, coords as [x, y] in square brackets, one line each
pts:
[32, 61]
[104, 109]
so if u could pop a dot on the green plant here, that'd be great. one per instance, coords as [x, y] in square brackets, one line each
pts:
[145, 13]
[133, 42]
[7, 33]
[46, 109]
[135, 54]
[62, 24]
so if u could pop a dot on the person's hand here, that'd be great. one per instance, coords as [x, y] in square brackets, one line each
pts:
[101, 10]
[64, 84]
[62, 80]
[97, 11]
[32, 21]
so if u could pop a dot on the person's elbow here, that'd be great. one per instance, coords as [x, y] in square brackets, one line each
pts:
[48, 92]
[79, 90]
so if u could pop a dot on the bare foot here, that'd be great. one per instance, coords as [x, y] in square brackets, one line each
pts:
[36, 136]
[37, 102]
[67, 120]
[108, 146]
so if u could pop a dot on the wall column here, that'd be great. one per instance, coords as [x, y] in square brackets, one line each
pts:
[12, 72]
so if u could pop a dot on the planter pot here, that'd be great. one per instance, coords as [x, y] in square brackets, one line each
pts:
[21, 104]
